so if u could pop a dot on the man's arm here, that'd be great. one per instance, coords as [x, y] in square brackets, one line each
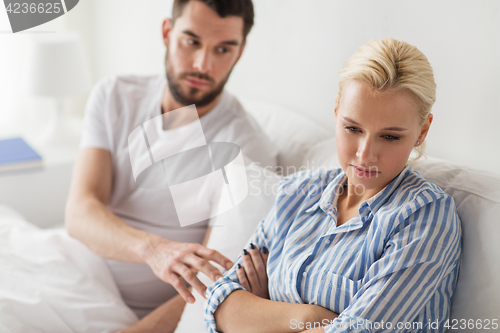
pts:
[163, 319]
[89, 220]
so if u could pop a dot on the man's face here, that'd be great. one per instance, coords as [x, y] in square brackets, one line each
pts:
[202, 49]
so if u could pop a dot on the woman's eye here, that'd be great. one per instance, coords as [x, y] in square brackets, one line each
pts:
[351, 129]
[391, 137]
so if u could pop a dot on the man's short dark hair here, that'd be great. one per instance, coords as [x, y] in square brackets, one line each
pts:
[241, 8]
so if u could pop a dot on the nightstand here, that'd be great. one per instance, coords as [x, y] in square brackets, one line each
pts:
[40, 194]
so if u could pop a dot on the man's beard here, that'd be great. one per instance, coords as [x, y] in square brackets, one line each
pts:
[189, 98]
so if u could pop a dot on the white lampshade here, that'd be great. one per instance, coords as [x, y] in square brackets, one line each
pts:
[57, 66]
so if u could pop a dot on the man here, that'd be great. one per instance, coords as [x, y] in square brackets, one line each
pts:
[137, 230]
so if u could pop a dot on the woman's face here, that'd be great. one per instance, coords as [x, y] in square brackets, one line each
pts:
[375, 134]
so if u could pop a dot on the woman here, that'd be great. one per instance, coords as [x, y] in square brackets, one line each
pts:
[369, 247]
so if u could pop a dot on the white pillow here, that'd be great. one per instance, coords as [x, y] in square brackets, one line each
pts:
[477, 197]
[291, 132]
[231, 232]
[50, 282]
[322, 155]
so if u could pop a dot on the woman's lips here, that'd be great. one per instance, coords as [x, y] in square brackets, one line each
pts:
[365, 173]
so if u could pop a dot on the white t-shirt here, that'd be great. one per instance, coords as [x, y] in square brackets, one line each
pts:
[116, 107]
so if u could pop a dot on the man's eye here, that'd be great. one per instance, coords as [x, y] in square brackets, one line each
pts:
[351, 129]
[192, 42]
[391, 137]
[222, 50]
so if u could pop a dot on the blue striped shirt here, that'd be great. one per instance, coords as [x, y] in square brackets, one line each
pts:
[395, 263]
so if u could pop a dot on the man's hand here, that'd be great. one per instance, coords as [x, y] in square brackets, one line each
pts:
[253, 275]
[171, 260]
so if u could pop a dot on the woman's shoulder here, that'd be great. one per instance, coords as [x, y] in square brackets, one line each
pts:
[421, 208]
[414, 193]
[417, 186]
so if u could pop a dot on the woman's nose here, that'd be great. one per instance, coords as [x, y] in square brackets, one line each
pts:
[367, 151]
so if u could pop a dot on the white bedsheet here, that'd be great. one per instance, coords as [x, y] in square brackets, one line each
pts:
[49, 282]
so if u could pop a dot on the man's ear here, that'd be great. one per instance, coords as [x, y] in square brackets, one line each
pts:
[425, 127]
[166, 29]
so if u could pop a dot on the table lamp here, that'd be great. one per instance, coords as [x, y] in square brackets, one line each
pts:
[57, 67]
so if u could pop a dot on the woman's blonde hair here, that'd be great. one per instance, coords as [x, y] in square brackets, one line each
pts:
[392, 65]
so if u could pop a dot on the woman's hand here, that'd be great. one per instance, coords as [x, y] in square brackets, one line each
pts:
[253, 274]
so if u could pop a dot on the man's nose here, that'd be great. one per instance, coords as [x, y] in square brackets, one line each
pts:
[202, 62]
[367, 151]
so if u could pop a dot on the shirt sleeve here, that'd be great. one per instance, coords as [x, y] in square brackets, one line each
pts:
[95, 125]
[219, 290]
[417, 270]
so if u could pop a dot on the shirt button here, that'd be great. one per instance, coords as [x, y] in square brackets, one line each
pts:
[327, 241]
[304, 274]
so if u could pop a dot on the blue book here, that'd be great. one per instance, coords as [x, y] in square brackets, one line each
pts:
[16, 154]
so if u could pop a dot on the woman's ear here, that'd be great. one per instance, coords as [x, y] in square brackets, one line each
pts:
[166, 29]
[425, 127]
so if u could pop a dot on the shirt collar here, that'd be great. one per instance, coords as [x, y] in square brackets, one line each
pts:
[330, 196]
[379, 199]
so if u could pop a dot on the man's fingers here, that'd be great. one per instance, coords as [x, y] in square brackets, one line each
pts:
[174, 261]
[201, 265]
[190, 276]
[177, 283]
[212, 255]
[242, 278]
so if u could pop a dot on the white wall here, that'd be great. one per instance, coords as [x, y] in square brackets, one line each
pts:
[21, 113]
[297, 48]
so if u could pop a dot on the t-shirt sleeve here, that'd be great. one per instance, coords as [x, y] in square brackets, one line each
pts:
[96, 126]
